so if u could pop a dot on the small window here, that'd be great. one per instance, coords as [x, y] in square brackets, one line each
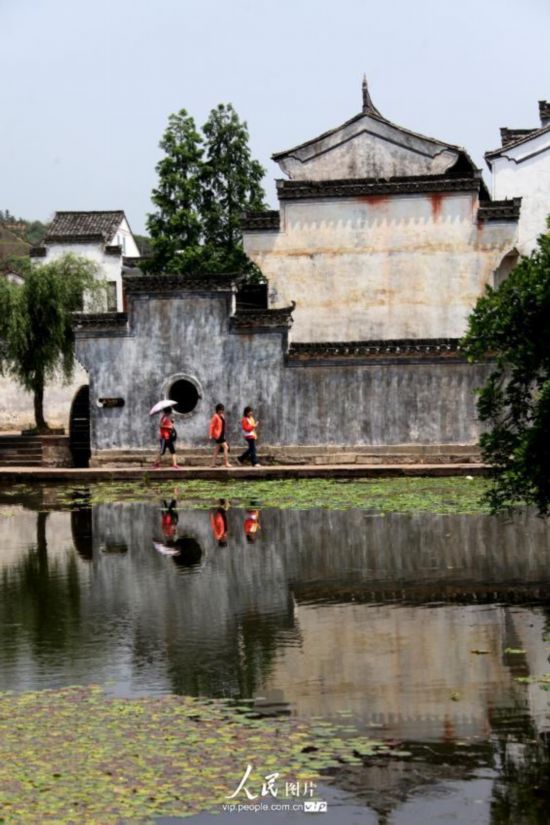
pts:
[186, 395]
[111, 296]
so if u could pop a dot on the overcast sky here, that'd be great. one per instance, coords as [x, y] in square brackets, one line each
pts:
[87, 85]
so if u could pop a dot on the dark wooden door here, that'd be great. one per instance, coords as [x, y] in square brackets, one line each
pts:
[79, 428]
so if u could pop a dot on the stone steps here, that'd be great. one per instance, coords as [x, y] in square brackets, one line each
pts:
[20, 451]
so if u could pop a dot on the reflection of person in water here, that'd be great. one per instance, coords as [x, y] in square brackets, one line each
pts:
[218, 522]
[169, 520]
[252, 524]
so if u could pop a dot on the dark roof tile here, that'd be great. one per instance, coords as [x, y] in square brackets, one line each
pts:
[74, 226]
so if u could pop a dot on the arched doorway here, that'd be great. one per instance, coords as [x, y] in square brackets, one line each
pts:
[506, 265]
[79, 428]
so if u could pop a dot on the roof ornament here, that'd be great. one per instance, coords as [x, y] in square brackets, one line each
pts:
[368, 106]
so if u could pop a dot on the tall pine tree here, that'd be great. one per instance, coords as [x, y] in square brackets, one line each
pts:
[204, 186]
[176, 226]
[231, 185]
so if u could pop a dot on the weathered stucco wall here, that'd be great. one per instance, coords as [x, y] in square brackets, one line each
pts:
[366, 146]
[382, 267]
[189, 334]
[16, 405]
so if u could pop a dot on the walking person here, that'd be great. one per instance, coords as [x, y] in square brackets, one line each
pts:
[216, 431]
[249, 425]
[218, 522]
[167, 437]
[252, 523]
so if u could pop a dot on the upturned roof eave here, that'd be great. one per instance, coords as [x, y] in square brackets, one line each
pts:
[502, 150]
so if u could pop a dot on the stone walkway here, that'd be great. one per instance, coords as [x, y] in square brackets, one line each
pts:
[278, 471]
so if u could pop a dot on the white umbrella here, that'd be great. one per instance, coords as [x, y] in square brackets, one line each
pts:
[165, 550]
[162, 405]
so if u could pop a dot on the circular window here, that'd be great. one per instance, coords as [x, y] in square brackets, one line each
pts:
[185, 394]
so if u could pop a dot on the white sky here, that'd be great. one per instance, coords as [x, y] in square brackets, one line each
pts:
[88, 85]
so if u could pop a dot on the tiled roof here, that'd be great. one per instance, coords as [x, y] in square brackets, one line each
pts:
[260, 220]
[299, 189]
[524, 139]
[84, 226]
[421, 350]
[505, 210]
[508, 136]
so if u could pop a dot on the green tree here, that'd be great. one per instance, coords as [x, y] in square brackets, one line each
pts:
[36, 333]
[231, 185]
[205, 183]
[511, 325]
[176, 226]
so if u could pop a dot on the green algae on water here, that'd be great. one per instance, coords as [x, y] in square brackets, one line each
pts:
[77, 755]
[450, 495]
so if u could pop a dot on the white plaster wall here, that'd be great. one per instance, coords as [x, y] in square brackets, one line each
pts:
[110, 266]
[380, 267]
[123, 237]
[524, 171]
[16, 405]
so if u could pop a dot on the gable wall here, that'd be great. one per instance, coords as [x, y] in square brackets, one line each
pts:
[367, 147]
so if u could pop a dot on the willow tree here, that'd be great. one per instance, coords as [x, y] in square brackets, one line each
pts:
[36, 335]
[511, 326]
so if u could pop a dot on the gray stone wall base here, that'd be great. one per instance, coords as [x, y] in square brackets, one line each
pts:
[268, 455]
[56, 451]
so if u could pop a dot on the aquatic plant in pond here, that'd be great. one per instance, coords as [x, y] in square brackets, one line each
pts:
[400, 495]
[75, 755]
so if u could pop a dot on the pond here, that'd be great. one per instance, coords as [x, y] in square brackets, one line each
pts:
[427, 630]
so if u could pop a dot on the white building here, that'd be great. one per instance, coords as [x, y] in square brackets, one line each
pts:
[521, 167]
[106, 239]
[381, 234]
[103, 237]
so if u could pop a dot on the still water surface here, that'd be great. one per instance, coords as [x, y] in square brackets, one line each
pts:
[312, 613]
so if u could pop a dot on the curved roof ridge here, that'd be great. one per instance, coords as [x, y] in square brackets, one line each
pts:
[493, 153]
[377, 116]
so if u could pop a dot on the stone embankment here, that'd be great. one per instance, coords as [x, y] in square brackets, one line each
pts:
[21, 474]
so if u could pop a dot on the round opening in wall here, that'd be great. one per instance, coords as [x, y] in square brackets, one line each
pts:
[186, 394]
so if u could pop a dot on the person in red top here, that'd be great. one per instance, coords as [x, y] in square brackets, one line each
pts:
[216, 431]
[169, 520]
[218, 522]
[167, 436]
[252, 525]
[249, 424]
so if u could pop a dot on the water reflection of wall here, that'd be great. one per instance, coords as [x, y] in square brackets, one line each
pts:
[409, 669]
[372, 658]
[304, 611]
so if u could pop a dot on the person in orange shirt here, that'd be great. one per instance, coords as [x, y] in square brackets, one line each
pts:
[218, 522]
[249, 424]
[252, 525]
[169, 520]
[167, 437]
[216, 431]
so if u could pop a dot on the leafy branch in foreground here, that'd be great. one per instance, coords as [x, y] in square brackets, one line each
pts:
[511, 325]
